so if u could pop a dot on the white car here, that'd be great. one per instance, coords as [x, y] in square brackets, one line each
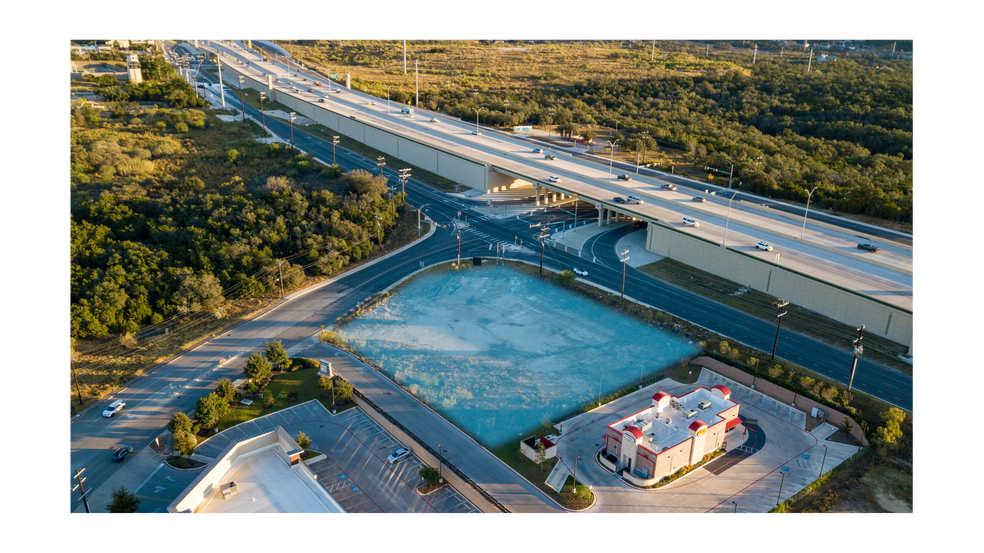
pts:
[763, 246]
[553, 178]
[398, 455]
[690, 222]
[114, 408]
[433, 120]
[580, 272]
[633, 199]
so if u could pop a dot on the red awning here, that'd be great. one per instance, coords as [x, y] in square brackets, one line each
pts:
[731, 424]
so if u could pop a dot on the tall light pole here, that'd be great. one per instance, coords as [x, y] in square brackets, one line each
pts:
[728, 220]
[477, 111]
[218, 64]
[388, 100]
[334, 142]
[574, 491]
[293, 116]
[807, 212]
[550, 122]
[624, 257]
[644, 140]
[506, 117]
[241, 103]
[575, 211]
[858, 350]
[731, 174]
[262, 113]
[419, 209]
[779, 305]
[611, 158]
[440, 462]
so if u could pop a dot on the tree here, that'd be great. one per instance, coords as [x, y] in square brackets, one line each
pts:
[232, 155]
[303, 440]
[257, 368]
[343, 390]
[275, 353]
[225, 390]
[184, 443]
[324, 383]
[430, 475]
[179, 423]
[123, 501]
[565, 277]
[364, 183]
[210, 408]
[887, 436]
[198, 293]
[541, 454]
[588, 136]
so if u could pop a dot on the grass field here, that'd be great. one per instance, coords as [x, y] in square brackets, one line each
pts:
[303, 381]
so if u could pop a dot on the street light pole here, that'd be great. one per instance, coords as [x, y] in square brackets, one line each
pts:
[575, 211]
[476, 118]
[459, 247]
[388, 100]
[779, 305]
[736, 506]
[262, 113]
[783, 474]
[807, 212]
[728, 220]
[611, 158]
[241, 103]
[574, 491]
[334, 142]
[731, 174]
[292, 117]
[440, 462]
[824, 459]
[858, 350]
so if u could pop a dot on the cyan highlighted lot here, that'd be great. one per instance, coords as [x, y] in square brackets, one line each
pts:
[500, 353]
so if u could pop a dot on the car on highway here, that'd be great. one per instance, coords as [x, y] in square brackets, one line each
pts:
[474, 132]
[322, 100]
[550, 156]
[371, 103]
[669, 187]
[633, 199]
[434, 120]
[624, 177]
[312, 90]
[537, 150]
[580, 272]
[763, 246]
[618, 200]
[399, 454]
[699, 199]
[869, 248]
[122, 453]
[553, 178]
[691, 222]
[114, 408]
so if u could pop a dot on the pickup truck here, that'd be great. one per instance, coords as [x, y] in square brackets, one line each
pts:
[550, 156]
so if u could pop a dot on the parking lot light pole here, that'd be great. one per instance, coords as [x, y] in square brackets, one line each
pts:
[736, 506]
[824, 459]
[783, 474]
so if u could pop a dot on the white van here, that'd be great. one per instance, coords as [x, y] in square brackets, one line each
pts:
[690, 222]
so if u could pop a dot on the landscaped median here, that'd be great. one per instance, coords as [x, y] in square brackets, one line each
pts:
[536, 474]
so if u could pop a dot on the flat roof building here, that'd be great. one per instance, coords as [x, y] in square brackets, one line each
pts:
[261, 474]
[672, 433]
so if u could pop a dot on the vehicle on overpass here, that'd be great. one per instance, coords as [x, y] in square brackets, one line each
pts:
[537, 150]
[669, 187]
[618, 200]
[699, 199]
[408, 111]
[691, 222]
[550, 156]
[762, 245]
[869, 248]
[553, 178]
[624, 177]
[633, 199]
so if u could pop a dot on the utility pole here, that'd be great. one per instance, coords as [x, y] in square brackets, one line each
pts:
[779, 305]
[544, 233]
[293, 116]
[379, 234]
[459, 247]
[858, 350]
[280, 268]
[809, 63]
[263, 113]
[623, 257]
[652, 57]
[731, 174]
[334, 142]
[404, 175]
[380, 163]
[755, 54]
[79, 479]
[78, 390]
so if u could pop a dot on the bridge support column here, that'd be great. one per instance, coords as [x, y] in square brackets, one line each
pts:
[601, 214]
[561, 197]
[537, 189]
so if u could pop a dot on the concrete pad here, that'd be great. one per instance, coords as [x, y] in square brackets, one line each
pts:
[635, 242]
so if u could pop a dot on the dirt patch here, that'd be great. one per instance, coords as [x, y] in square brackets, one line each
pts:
[872, 485]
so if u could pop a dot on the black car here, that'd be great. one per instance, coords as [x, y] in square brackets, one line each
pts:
[122, 453]
[618, 200]
[868, 247]
[624, 177]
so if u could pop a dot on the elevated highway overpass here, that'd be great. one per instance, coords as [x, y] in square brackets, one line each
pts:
[823, 271]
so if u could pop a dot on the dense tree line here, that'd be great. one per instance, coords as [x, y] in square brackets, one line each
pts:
[174, 212]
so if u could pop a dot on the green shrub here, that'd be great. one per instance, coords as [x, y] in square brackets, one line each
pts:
[303, 440]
